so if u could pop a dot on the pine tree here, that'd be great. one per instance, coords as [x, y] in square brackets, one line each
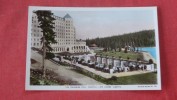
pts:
[46, 23]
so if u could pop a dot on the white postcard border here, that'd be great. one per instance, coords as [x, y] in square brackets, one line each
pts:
[91, 87]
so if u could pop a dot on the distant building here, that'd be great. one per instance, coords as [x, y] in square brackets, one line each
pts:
[95, 47]
[65, 35]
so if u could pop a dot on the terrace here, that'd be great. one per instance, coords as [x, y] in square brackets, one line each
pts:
[108, 67]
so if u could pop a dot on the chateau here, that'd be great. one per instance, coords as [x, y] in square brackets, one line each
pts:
[65, 35]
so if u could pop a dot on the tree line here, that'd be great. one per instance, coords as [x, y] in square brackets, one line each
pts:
[144, 38]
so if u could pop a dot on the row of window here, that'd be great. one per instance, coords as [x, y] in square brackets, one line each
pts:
[56, 29]
[60, 30]
[66, 36]
[59, 22]
[36, 35]
[80, 51]
[68, 28]
[62, 49]
[59, 18]
[78, 47]
[63, 43]
[34, 17]
[59, 49]
[58, 36]
[36, 30]
[69, 31]
[68, 24]
[35, 25]
[68, 21]
[36, 44]
[59, 26]
[60, 43]
[35, 39]
[34, 21]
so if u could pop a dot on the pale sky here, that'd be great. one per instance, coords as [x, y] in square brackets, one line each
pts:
[93, 24]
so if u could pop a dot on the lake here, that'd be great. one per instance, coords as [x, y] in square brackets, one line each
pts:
[151, 50]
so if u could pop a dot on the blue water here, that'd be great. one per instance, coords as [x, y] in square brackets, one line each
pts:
[151, 50]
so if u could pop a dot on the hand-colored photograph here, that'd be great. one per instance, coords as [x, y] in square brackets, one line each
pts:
[99, 48]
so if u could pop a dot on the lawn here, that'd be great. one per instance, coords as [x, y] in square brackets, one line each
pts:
[116, 54]
[147, 78]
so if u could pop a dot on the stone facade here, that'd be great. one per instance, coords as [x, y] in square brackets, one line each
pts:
[65, 35]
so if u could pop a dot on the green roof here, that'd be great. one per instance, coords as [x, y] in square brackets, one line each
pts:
[67, 16]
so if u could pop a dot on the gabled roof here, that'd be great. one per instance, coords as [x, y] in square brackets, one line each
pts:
[67, 16]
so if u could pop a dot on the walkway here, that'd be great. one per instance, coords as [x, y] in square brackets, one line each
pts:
[63, 72]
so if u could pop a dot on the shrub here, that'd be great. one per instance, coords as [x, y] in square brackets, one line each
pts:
[128, 58]
[125, 51]
[80, 62]
[92, 65]
[110, 66]
[120, 49]
[113, 78]
[34, 81]
[49, 55]
[138, 59]
[151, 61]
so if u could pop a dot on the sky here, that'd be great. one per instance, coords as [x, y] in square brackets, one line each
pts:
[93, 24]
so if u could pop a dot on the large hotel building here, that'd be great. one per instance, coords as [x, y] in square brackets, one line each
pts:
[65, 35]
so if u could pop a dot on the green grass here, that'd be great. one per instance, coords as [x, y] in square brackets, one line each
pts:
[50, 79]
[36, 78]
[116, 54]
[38, 81]
[147, 78]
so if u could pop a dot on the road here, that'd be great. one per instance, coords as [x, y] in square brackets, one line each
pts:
[65, 73]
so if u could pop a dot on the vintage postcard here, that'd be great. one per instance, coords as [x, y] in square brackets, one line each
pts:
[98, 48]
